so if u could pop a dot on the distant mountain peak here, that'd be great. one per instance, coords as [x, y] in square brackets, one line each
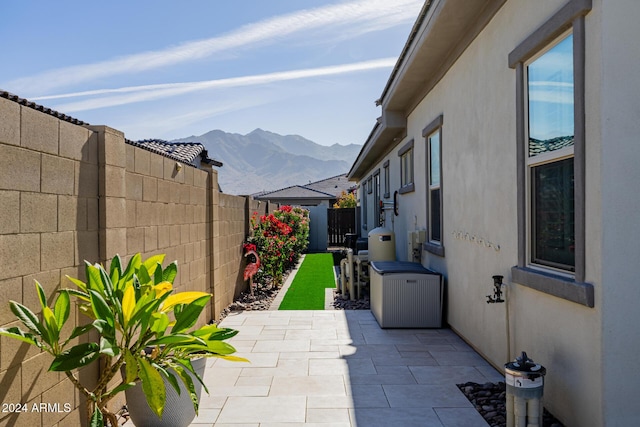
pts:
[264, 161]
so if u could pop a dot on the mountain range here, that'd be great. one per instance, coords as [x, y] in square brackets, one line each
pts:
[265, 161]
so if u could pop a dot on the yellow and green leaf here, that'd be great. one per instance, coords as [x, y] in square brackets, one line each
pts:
[62, 308]
[182, 298]
[152, 263]
[128, 305]
[152, 386]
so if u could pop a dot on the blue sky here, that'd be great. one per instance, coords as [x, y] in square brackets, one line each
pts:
[550, 81]
[169, 69]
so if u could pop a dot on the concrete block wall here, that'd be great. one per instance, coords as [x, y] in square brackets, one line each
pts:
[231, 227]
[229, 231]
[70, 193]
[49, 189]
[165, 209]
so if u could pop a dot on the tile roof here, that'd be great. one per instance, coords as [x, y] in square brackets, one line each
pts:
[328, 188]
[186, 152]
[38, 107]
[539, 146]
[334, 185]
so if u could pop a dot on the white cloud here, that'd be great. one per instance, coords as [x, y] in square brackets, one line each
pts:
[551, 84]
[135, 94]
[551, 96]
[333, 21]
[142, 126]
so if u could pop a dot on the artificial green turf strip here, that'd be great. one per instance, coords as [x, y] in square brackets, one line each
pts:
[307, 290]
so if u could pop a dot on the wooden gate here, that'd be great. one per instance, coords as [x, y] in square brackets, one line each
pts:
[340, 221]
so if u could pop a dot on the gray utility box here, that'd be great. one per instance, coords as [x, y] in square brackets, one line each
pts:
[405, 295]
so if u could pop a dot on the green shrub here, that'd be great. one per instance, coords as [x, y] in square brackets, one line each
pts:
[279, 239]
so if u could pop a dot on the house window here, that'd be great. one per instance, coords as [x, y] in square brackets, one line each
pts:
[363, 196]
[406, 168]
[552, 215]
[435, 195]
[551, 159]
[433, 136]
[377, 215]
[387, 185]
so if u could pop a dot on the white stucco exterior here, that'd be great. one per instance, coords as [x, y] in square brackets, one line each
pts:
[588, 351]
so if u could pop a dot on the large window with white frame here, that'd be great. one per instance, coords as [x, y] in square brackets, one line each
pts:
[550, 124]
[433, 138]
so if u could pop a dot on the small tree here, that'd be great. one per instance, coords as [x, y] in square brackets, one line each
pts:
[346, 200]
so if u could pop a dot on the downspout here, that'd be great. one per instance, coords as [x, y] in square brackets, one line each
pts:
[497, 298]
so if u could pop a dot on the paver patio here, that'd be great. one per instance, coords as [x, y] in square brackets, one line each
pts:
[339, 368]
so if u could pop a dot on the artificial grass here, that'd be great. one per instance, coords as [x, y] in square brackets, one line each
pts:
[307, 289]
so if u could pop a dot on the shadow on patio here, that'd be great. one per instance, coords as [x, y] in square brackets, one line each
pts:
[340, 368]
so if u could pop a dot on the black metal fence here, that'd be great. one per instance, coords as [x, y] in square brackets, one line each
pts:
[340, 222]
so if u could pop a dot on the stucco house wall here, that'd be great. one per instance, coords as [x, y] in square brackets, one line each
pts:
[411, 215]
[619, 127]
[582, 347]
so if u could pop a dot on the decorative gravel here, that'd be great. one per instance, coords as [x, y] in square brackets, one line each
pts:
[489, 400]
[346, 304]
[260, 300]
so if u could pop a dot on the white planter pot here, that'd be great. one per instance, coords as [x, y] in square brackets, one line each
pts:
[178, 409]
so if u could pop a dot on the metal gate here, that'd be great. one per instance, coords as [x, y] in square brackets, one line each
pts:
[317, 228]
[340, 222]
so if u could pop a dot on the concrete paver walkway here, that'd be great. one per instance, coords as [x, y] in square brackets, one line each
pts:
[339, 368]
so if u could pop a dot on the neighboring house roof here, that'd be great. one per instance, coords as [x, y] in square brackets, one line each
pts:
[186, 152]
[334, 185]
[38, 107]
[537, 146]
[296, 192]
[325, 189]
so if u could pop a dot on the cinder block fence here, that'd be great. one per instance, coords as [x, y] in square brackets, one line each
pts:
[71, 192]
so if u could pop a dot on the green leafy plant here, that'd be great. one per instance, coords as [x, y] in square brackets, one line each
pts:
[139, 322]
[346, 200]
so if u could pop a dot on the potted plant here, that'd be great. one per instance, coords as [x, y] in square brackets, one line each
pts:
[137, 324]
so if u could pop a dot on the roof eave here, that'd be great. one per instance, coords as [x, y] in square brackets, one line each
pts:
[387, 132]
[212, 162]
[441, 33]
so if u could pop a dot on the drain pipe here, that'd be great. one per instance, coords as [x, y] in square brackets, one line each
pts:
[506, 310]
[497, 298]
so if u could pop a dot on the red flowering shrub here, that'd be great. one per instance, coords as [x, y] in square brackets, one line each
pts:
[279, 239]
